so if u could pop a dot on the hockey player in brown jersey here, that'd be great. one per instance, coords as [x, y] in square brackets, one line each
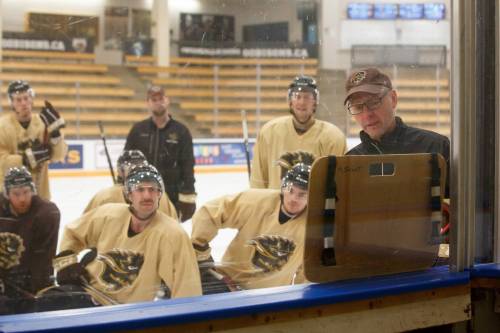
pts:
[268, 248]
[116, 192]
[29, 228]
[30, 139]
[136, 251]
[299, 131]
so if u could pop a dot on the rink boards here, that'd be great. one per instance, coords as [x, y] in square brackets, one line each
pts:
[384, 304]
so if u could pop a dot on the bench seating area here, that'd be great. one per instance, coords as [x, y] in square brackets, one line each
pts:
[80, 89]
[48, 55]
[53, 67]
[206, 88]
[200, 86]
[203, 91]
[59, 78]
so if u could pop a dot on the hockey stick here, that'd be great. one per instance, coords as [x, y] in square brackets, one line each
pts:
[232, 286]
[245, 139]
[98, 294]
[25, 293]
[103, 137]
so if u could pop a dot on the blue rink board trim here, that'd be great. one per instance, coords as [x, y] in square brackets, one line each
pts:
[485, 271]
[213, 307]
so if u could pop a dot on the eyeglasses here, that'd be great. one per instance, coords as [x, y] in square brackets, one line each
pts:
[371, 104]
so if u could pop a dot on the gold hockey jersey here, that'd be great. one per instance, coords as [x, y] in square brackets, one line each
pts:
[264, 253]
[13, 136]
[278, 136]
[131, 269]
[114, 194]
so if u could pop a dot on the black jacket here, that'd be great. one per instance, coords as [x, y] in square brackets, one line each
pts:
[170, 150]
[405, 139]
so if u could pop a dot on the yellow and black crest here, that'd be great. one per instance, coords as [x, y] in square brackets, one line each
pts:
[358, 77]
[173, 137]
[290, 159]
[120, 268]
[272, 252]
[11, 250]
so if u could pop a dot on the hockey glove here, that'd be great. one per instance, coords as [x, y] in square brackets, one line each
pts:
[69, 270]
[35, 155]
[271, 252]
[52, 119]
[186, 206]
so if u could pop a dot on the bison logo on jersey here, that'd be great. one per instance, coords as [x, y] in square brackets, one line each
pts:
[271, 252]
[121, 268]
[11, 249]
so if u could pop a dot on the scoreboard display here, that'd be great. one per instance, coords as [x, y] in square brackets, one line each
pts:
[434, 11]
[392, 11]
[359, 11]
[411, 11]
[385, 11]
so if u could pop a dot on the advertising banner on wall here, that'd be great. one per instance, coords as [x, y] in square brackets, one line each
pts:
[220, 153]
[72, 160]
[90, 154]
[36, 42]
[248, 51]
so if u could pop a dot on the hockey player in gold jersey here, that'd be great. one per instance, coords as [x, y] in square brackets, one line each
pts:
[268, 248]
[299, 131]
[30, 139]
[116, 192]
[136, 251]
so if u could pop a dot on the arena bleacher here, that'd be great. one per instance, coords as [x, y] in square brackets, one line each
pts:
[208, 94]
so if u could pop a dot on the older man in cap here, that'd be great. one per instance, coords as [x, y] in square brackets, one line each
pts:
[168, 145]
[372, 101]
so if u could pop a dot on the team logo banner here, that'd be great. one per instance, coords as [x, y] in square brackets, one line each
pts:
[221, 153]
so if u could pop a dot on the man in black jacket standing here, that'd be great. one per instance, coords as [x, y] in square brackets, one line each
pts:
[168, 145]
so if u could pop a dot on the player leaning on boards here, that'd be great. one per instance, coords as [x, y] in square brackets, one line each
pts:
[137, 251]
[268, 248]
[30, 139]
[116, 192]
[300, 131]
[168, 145]
[29, 227]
